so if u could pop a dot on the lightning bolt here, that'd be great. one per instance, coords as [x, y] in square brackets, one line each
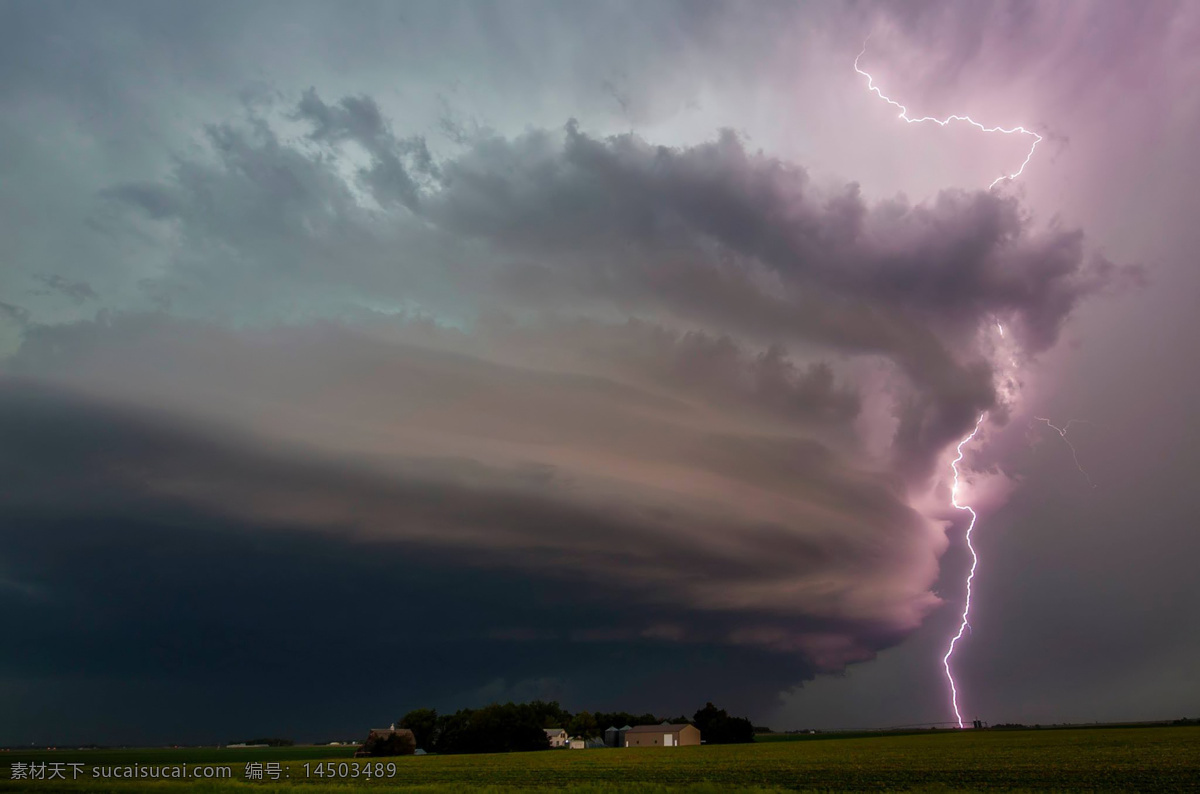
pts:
[943, 122]
[964, 625]
[970, 577]
[1062, 431]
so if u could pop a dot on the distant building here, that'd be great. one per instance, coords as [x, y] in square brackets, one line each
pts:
[664, 735]
[577, 744]
[557, 737]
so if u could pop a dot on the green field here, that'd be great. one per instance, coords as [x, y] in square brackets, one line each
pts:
[1102, 759]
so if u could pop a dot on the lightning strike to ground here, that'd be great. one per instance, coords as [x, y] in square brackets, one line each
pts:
[943, 122]
[965, 624]
[1062, 431]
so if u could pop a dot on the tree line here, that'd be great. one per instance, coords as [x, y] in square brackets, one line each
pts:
[515, 727]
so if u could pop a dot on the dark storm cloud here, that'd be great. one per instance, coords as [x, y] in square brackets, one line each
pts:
[717, 234]
[712, 235]
[667, 486]
[708, 452]
[125, 583]
[944, 264]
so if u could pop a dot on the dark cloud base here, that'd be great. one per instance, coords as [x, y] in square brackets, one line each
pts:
[286, 630]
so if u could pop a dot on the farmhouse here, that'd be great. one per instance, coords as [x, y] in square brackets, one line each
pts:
[557, 737]
[664, 735]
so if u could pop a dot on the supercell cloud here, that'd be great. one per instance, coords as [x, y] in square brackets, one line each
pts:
[661, 371]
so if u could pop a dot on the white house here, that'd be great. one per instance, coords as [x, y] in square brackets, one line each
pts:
[557, 737]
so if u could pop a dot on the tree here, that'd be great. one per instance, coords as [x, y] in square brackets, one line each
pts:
[550, 715]
[619, 719]
[717, 727]
[493, 729]
[584, 725]
[423, 724]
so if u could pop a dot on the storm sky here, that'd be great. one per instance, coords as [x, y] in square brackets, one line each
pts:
[362, 357]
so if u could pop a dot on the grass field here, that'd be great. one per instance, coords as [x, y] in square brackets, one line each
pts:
[1111, 759]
